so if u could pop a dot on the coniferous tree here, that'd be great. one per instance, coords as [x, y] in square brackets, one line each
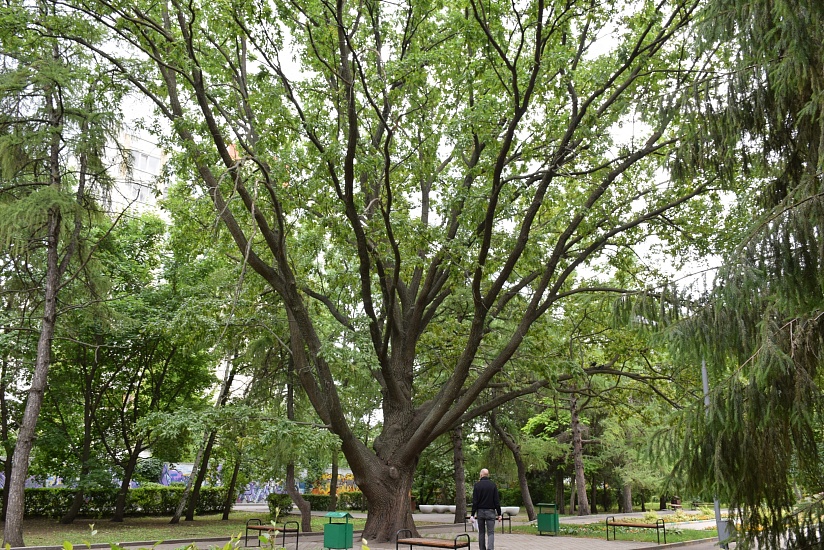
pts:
[758, 446]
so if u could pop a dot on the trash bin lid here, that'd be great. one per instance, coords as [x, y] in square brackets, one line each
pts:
[338, 515]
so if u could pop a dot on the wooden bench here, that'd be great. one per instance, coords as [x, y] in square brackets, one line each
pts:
[658, 526]
[255, 525]
[504, 519]
[431, 543]
[696, 504]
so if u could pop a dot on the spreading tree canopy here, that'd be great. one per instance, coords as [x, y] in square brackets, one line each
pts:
[419, 181]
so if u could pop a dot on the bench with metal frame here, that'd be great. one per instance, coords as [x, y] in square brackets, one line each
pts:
[658, 526]
[461, 540]
[269, 528]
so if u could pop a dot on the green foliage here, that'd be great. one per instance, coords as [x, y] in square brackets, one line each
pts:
[151, 499]
[148, 470]
[318, 502]
[279, 501]
[352, 500]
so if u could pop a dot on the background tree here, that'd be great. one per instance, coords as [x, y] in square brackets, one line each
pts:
[58, 112]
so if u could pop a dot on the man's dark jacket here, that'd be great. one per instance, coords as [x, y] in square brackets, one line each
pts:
[485, 496]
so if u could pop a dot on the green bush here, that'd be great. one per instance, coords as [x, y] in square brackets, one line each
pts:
[511, 497]
[149, 500]
[352, 500]
[278, 500]
[153, 499]
[318, 502]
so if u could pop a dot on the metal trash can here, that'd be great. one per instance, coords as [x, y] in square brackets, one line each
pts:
[548, 519]
[338, 534]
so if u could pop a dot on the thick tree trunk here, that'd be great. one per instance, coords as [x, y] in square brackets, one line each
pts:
[303, 505]
[333, 482]
[515, 449]
[389, 504]
[459, 476]
[230, 490]
[15, 487]
[578, 458]
[626, 498]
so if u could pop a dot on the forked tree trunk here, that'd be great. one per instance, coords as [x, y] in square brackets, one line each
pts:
[460, 475]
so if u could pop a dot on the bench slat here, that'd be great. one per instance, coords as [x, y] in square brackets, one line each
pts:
[434, 543]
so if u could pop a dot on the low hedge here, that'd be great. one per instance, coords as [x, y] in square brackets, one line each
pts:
[350, 500]
[150, 500]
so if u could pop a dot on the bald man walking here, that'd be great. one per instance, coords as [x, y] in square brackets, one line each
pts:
[486, 508]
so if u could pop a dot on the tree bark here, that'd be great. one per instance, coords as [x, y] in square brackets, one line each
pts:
[230, 490]
[15, 487]
[125, 483]
[201, 476]
[594, 508]
[333, 482]
[559, 490]
[573, 493]
[184, 498]
[626, 498]
[389, 505]
[303, 505]
[515, 449]
[460, 475]
[578, 456]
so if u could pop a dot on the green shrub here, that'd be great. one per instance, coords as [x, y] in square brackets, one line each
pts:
[511, 497]
[281, 501]
[151, 499]
[318, 502]
[352, 500]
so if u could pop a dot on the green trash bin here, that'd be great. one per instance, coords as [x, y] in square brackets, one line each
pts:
[338, 534]
[547, 518]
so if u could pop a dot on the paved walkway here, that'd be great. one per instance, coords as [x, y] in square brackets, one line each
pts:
[441, 525]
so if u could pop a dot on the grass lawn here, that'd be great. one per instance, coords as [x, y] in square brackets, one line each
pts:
[598, 531]
[49, 532]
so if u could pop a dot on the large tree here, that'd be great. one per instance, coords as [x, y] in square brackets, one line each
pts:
[58, 112]
[758, 445]
[404, 176]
